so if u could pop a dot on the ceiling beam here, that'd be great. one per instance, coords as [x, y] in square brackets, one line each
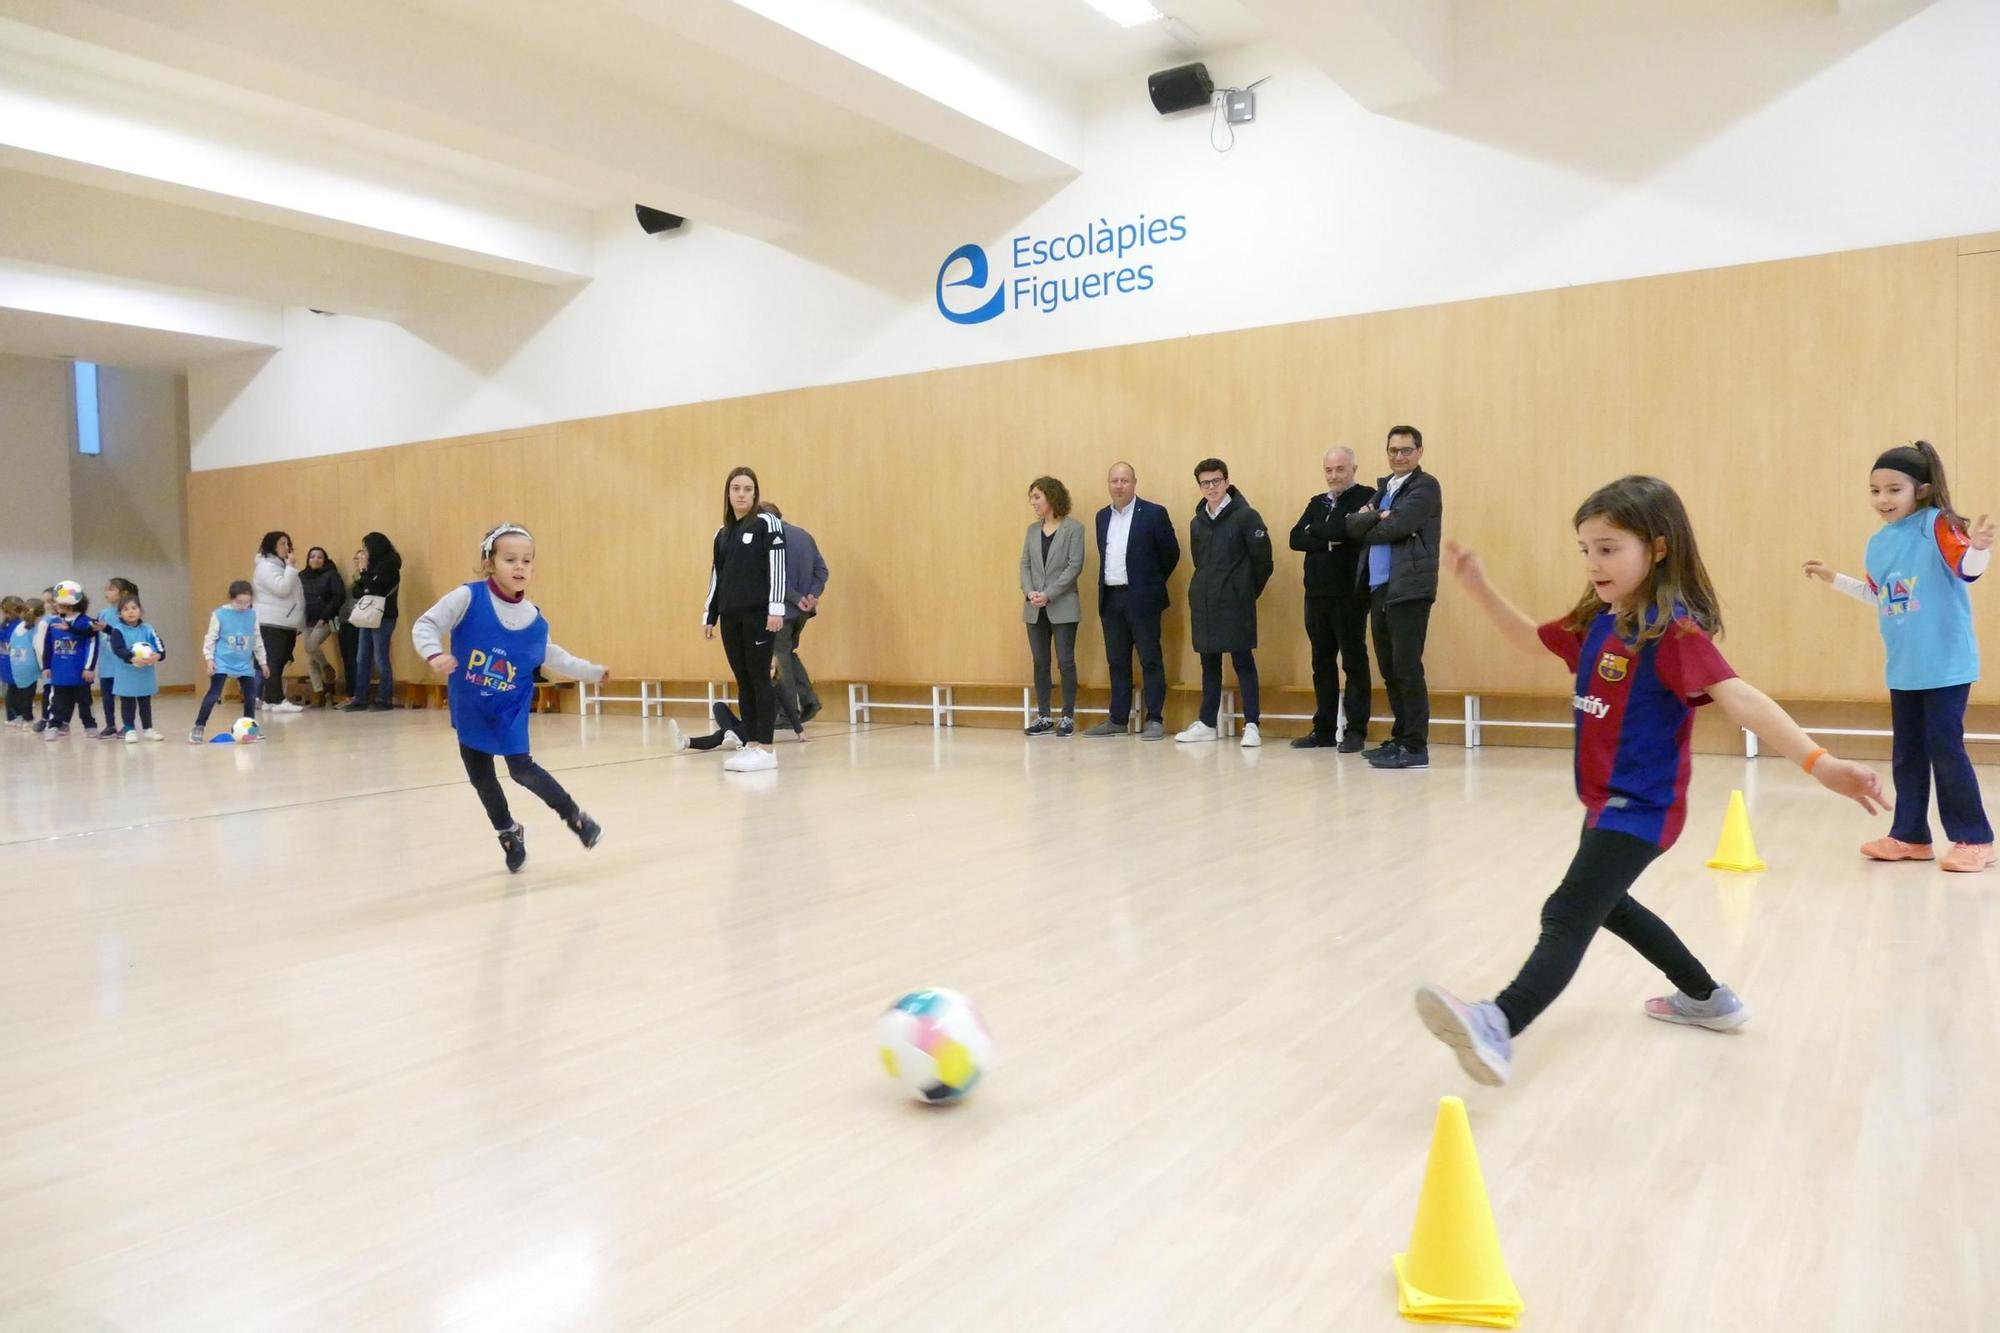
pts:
[1382, 52]
[94, 298]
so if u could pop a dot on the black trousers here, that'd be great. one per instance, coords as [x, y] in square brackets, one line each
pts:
[1338, 630]
[68, 699]
[1596, 892]
[1128, 628]
[105, 691]
[350, 642]
[1246, 681]
[749, 646]
[1930, 738]
[1044, 634]
[524, 770]
[137, 707]
[246, 684]
[20, 702]
[278, 643]
[1400, 631]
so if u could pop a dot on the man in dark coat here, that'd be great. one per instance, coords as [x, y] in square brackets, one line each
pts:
[1136, 553]
[1336, 609]
[1401, 532]
[1232, 563]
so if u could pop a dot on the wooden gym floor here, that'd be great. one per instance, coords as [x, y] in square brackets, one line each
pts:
[285, 1048]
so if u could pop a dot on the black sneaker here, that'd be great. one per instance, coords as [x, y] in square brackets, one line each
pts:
[109, 734]
[382, 708]
[1065, 726]
[587, 830]
[1352, 744]
[1312, 740]
[1401, 758]
[355, 706]
[1382, 751]
[41, 725]
[514, 842]
[1041, 726]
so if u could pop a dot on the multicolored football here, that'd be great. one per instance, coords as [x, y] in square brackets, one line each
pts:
[245, 730]
[68, 593]
[935, 1044]
[143, 654]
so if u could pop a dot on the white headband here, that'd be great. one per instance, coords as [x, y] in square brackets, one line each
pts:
[504, 530]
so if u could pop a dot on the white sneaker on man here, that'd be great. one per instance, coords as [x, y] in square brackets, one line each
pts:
[1196, 731]
[677, 740]
[751, 759]
[1252, 738]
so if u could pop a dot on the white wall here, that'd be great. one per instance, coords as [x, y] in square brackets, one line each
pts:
[1564, 154]
[123, 513]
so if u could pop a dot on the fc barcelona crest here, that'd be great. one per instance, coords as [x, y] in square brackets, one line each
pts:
[1612, 667]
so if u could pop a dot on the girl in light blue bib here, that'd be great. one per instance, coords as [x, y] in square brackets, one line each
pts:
[1920, 565]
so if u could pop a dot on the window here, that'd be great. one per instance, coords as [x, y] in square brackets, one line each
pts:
[83, 376]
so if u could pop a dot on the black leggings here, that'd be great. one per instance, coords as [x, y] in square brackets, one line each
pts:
[1595, 893]
[246, 684]
[278, 643]
[106, 692]
[139, 706]
[749, 646]
[524, 770]
[20, 702]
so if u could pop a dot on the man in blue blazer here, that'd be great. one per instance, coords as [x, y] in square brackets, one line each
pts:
[1137, 550]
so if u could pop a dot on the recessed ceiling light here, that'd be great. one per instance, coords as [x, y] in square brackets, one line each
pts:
[1126, 13]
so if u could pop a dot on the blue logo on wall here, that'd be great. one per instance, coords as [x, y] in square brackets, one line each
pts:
[975, 278]
[1034, 285]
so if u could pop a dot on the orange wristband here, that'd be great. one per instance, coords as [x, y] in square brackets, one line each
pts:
[1813, 758]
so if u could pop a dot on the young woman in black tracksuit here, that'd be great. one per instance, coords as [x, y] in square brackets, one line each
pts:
[746, 601]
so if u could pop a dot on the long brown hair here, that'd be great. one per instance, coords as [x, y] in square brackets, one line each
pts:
[729, 519]
[1649, 509]
[1921, 462]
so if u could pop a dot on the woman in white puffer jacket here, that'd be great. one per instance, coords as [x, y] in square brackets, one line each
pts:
[280, 604]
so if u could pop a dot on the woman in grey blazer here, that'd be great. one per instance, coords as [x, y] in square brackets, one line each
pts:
[1051, 562]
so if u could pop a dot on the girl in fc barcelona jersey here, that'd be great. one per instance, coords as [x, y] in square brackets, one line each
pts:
[1919, 566]
[1639, 645]
[487, 640]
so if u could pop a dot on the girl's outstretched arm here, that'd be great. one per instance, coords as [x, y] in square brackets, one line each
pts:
[1753, 710]
[1512, 622]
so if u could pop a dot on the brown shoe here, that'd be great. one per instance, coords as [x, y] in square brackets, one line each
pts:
[1895, 849]
[1968, 857]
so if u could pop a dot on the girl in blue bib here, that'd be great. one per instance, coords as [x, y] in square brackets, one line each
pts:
[1919, 566]
[139, 651]
[233, 650]
[487, 640]
[22, 670]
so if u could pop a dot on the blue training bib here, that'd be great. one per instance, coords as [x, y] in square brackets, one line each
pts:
[492, 690]
[1925, 610]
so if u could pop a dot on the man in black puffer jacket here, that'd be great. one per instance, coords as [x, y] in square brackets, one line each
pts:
[1401, 533]
[1232, 563]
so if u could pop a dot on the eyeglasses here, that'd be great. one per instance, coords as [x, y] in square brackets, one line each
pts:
[1210, 483]
[1403, 450]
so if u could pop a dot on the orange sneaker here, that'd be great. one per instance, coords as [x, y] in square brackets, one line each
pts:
[1895, 849]
[1968, 857]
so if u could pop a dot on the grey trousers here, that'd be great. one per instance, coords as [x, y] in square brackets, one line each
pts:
[796, 696]
[317, 666]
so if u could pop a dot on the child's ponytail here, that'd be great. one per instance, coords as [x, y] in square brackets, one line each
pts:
[1921, 463]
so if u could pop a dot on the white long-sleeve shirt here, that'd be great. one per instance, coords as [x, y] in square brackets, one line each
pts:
[432, 632]
[214, 632]
[1970, 566]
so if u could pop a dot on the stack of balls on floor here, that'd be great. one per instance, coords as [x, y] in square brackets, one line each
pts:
[935, 1044]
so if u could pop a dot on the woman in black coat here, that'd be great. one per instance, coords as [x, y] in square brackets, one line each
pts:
[382, 577]
[1232, 563]
[325, 593]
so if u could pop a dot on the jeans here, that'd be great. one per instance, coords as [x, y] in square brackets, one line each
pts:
[317, 667]
[1042, 635]
[1211, 685]
[1338, 629]
[749, 645]
[1595, 892]
[248, 686]
[1930, 739]
[1127, 628]
[371, 655]
[1400, 631]
[525, 771]
[278, 643]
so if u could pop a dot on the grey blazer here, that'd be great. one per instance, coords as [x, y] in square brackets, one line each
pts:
[1056, 576]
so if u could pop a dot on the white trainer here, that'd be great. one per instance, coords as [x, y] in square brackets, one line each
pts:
[677, 740]
[1252, 738]
[1196, 731]
[751, 760]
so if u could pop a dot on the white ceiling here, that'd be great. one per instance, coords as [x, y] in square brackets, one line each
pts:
[174, 175]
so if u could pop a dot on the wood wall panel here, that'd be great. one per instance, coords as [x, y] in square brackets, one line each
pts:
[1761, 392]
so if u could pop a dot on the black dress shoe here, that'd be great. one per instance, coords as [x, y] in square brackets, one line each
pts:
[1352, 745]
[1385, 748]
[1401, 758]
[382, 708]
[1312, 740]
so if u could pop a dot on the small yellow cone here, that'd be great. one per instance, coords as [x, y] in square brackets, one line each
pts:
[1737, 850]
[1453, 1272]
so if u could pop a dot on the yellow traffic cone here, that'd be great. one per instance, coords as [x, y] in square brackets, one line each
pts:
[1737, 850]
[1453, 1272]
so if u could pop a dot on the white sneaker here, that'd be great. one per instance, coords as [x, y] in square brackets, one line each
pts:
[131, 738]
[287, 706]
[1197, 731]
[731, 741]
[676, 741]
[1251, 738]
[153, 735]
[751, 760]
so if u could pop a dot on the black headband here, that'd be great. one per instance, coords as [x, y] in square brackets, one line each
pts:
[1908, 461]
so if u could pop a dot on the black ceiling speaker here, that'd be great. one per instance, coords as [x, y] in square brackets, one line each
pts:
[656, 220]
[1182, 88]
